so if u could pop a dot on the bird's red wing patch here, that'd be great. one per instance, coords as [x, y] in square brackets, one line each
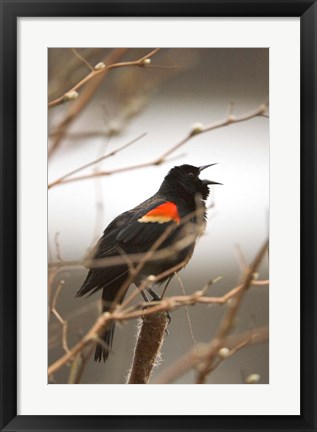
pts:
[163, 213]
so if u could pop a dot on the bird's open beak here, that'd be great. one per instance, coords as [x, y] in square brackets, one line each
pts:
[208, 182]
[205, 166]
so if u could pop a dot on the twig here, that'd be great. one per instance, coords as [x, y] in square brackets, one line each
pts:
[120, 315]
[240, 257]
[102, 158]
[52, 272]
[78, 366]
[63, 322]
[57, 292]
[186, 309]
[101, 68]
[228, 321]
[196, 130]
[225, 353]
[205, 357]
[98, 186]
[58, 248]
[89, 66]
[199, 354]
[83, 135]
[78, 106]
[172, 303]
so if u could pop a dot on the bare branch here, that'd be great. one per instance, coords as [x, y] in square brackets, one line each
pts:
[96, 174]
[101, 68]
[81, 58]
[196, 130]
[206, 355]
[82, 101]
[63, 322]
[199, 354]
[78, 366]
[123, 314]
[186, 309]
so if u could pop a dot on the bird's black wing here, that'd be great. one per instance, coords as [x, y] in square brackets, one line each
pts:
[146, 226]
[100, 276]
[124, 235]
[107, 244]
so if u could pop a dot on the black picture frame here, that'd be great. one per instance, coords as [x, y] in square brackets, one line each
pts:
[10, 11]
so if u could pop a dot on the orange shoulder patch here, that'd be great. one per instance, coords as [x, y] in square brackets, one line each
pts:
[166, 212]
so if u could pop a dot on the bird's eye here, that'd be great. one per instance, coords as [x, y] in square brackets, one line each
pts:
[191, 175]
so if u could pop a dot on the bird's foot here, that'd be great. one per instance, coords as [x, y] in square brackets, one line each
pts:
[158, 298]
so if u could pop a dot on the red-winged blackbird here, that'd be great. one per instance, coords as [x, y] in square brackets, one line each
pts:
[179, 204]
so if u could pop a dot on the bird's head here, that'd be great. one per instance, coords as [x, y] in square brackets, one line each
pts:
[185, 179]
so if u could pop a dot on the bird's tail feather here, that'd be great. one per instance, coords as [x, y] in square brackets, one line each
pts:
[103, 349]
[110, 281]
[109, 294]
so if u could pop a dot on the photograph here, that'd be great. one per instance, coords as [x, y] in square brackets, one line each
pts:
[158, 215]
[158, 190]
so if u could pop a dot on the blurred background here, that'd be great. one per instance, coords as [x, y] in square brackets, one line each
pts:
[180, 87]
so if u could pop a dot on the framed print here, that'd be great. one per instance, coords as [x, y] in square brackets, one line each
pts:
[158, 215]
